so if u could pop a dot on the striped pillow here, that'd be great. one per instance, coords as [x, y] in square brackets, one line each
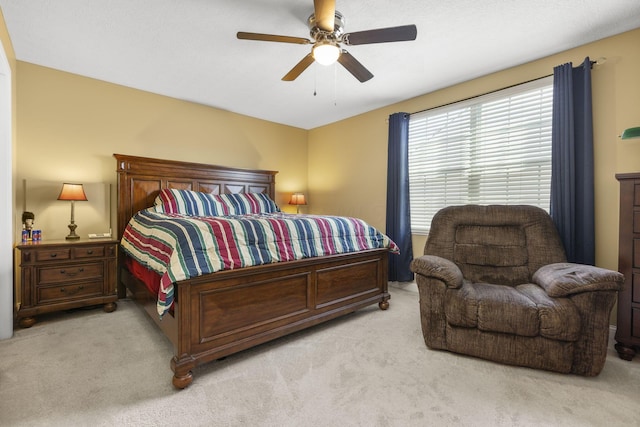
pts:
[248, 203]
[195, 203]
[187, 202]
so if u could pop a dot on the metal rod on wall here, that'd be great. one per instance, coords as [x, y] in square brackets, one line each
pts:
[601, 60]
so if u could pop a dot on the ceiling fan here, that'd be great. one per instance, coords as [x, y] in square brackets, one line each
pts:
[326, 26]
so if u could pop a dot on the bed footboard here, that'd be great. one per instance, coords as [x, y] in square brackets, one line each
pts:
[221, 314]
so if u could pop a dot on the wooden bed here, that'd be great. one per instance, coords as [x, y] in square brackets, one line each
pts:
[219, 314]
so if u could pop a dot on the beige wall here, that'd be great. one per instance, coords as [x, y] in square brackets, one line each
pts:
[347, 159]
[69, 127]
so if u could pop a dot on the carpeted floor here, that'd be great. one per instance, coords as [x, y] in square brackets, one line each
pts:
[372, 368]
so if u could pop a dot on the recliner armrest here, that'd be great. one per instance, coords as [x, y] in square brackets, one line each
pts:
[563, 279]
[438, 268]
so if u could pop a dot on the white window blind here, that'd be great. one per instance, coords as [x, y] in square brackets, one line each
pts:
[492, 149]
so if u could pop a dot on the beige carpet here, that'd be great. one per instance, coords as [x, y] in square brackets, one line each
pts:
[90, 368]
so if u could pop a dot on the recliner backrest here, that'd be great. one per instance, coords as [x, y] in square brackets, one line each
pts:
[495, 244]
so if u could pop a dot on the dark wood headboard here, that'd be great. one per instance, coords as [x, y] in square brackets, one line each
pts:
[140, 179]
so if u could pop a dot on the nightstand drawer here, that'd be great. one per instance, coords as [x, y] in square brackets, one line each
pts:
[52, 294]
[69, 273]
[89, 252]
[53, 254]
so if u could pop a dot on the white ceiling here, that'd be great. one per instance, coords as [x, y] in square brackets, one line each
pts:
[187, 49]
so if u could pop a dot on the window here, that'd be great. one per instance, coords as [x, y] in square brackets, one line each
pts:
[492, 149]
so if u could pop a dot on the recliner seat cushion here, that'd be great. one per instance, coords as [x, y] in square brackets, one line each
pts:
[524, 310]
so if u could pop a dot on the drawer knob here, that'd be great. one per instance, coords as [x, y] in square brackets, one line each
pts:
[90, 252]
[53, 255]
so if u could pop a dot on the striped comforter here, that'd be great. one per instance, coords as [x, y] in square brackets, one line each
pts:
[179, 247]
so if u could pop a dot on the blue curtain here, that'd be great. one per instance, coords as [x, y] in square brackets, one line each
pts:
[572, 200]
[398, 212]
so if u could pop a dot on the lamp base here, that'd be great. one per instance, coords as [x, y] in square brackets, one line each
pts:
[72, 232]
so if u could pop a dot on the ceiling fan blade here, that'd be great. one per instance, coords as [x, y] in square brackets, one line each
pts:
[354, 67]
[381, 35]
[271, 38]
[299, 68]
[325, 12]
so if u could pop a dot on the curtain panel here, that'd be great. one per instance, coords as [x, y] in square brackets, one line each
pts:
[572, 164]
[398, 226]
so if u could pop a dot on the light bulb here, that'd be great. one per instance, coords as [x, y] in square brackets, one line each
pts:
[326, 53]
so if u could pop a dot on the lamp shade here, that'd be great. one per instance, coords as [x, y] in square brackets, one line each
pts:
[631, 133]
[326, 53]
[297, 199]
[72, 192]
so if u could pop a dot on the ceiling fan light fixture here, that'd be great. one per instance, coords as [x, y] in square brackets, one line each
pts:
[326, 53]
[326, 28]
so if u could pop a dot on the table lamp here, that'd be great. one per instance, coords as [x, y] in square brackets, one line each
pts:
[297, 199]
[72, 192]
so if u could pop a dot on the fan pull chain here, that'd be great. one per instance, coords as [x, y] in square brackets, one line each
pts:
[335, 85]
[315, 79]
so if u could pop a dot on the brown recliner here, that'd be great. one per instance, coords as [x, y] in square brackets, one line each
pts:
[494, 283]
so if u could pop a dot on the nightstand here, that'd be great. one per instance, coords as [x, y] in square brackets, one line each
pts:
[62, 275]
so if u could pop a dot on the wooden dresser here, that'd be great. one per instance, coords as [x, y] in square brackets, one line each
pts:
[628, 328]
[61, 275]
